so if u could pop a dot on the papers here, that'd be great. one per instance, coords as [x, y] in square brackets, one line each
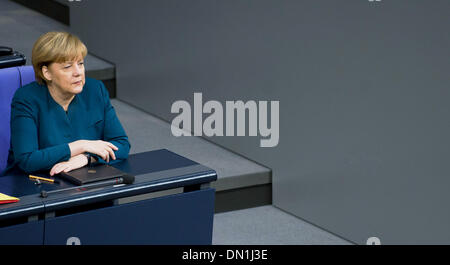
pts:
[7, 199]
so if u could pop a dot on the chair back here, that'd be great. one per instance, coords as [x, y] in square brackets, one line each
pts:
[10, 80]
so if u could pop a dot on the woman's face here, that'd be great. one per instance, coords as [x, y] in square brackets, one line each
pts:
[68, 76]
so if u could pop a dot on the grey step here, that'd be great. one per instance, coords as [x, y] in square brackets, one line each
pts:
[268, 225]
[57, 10]
[241, 183]
[20, 27]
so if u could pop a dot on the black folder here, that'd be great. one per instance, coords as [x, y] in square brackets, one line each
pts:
[86, 175]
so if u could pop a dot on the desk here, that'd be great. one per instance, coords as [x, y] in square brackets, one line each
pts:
[95, 216]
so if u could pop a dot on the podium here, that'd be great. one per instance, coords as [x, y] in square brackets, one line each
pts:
[108, 215]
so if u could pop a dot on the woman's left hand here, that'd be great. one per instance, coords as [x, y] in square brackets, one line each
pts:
[66, 166]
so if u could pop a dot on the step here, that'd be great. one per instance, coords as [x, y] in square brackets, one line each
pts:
[57, 10]
[268, 225]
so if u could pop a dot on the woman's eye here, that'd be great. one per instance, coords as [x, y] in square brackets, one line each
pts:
[81, 63]
[67, 66]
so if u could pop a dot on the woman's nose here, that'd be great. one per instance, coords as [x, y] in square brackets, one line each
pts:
[78, 70]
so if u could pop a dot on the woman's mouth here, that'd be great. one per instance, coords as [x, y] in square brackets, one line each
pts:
[77, 83]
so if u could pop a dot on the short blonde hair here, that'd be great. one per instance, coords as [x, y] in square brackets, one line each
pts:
[55, 47]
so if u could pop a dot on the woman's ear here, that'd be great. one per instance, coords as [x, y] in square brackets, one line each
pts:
[46, 73]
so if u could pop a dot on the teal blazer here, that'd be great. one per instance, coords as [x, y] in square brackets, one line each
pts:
[41, 130]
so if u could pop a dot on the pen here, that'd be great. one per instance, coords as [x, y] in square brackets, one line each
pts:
[44, 179]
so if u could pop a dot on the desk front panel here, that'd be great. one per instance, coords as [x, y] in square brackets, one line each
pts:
[185, 219]
[30, 233]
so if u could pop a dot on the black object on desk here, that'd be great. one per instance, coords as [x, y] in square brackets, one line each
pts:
[90, 174]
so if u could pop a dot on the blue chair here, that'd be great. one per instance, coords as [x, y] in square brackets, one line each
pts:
[10, 80]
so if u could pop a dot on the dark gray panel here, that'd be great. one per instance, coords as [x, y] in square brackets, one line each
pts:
[363, 89]
[31, 233]
[181, 219]
[243, 198]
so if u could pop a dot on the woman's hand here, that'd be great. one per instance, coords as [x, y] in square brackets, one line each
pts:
[66, 166]
[104, 149]
[101, 148]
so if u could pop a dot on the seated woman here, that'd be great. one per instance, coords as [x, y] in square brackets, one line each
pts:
[63, 120]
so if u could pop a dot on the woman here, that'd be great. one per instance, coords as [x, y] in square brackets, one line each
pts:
[63, 120]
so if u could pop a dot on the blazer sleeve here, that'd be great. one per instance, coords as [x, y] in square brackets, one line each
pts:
[24, 140]
[113, 131]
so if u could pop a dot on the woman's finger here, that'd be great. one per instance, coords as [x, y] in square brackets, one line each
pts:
[106, 154]
[102, 154]
[54, 168]
[57, 169]
[111, 145]
[61, 168]
[111, 153]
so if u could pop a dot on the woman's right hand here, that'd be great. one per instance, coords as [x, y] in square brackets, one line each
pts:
[104, 149]
[101, 148]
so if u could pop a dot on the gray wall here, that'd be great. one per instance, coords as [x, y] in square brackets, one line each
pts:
[363, 90]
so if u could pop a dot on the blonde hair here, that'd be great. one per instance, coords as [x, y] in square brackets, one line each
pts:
[55, 47]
